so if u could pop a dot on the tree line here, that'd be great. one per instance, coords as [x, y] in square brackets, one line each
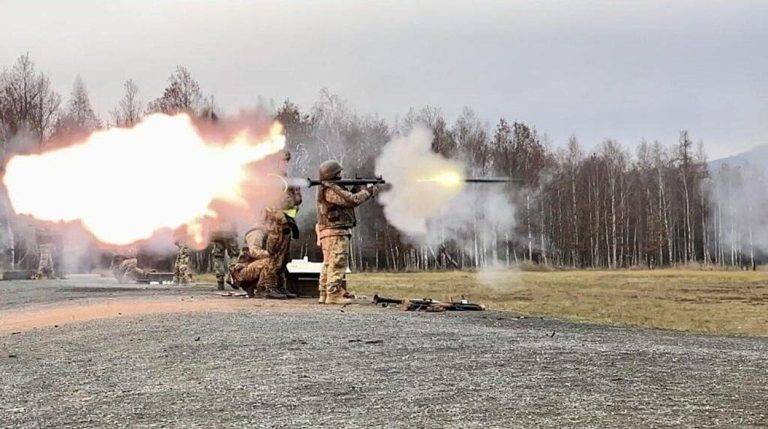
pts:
[653, 206]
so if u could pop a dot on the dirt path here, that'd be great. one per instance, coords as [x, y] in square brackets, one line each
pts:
[85, 309]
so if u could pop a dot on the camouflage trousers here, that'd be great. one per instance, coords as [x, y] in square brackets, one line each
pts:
[128, 269]
[261, 274]
[218, 254]
[45, 265]
[335, 264]
[182, 273]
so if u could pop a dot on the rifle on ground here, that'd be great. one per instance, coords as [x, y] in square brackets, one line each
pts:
[349, 182]
[429, 305]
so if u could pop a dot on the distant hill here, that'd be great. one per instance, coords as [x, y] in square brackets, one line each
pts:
[755, 157]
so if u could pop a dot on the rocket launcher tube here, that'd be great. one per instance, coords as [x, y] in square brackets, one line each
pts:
[492, 180]
[380, 181]
[349, 182]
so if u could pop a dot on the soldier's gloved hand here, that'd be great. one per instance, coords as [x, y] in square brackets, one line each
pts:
[372, 189]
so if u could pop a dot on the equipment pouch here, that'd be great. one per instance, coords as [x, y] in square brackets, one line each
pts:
[333, 215]
[294, 228]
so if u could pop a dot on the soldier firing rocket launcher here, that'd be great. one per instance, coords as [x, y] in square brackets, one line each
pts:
[380, 181]
[349, 182]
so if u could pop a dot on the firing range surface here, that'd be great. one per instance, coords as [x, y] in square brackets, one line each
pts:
[297, 364]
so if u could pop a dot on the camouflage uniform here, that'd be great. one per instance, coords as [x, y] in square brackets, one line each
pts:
[335, 220]
[126, 268]
[45, 264]
[223, 243]
[263, 265]
[291, 202]
[181, 271]
[259, 267]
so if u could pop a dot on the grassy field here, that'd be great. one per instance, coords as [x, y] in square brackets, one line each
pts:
[722, 302]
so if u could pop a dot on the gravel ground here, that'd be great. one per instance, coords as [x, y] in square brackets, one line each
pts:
[21, 293]
[299, 364]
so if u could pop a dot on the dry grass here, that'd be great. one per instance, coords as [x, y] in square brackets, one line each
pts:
[204, 278]
[722, 302]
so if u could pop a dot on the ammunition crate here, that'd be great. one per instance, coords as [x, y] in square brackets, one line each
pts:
[160, 278]
[303, 277]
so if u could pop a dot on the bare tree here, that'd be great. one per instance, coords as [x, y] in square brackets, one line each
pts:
[27, 102]
[129, 109]
[181, 95]
[333, 120]
[473, 142]
[79, 117]
[610, 208]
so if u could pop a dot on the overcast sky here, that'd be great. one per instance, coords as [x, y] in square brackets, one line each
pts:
[622, 69]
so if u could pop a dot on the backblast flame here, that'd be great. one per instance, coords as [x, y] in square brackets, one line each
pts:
[123, 185]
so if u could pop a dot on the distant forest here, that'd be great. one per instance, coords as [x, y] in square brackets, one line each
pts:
[657, 204]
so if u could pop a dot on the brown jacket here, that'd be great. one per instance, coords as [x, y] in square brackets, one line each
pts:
[336, 209]
[269, 241]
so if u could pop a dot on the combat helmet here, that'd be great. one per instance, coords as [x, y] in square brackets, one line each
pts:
[330, 169]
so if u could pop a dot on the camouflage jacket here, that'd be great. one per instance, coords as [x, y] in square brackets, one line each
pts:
[336, 209]
[271, 240]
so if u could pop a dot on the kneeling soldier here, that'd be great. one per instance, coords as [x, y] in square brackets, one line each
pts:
[258, 268]
[127, 268]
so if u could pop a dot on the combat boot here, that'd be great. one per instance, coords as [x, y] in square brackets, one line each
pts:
[346, 293]
[282, 287]
[337, 298]
[248, 287]
[322, 297]
[231, 282]
[273, 293]
[220, 285]
[336, 294]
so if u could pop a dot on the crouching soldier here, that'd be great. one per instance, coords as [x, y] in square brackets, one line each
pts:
[125, 268]
[181, 271]
[258, 268]
[335, 220]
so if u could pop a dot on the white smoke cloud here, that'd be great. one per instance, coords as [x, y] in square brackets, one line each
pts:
[478, 214]
[429, 201]
[739, 210]
[407, 162]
